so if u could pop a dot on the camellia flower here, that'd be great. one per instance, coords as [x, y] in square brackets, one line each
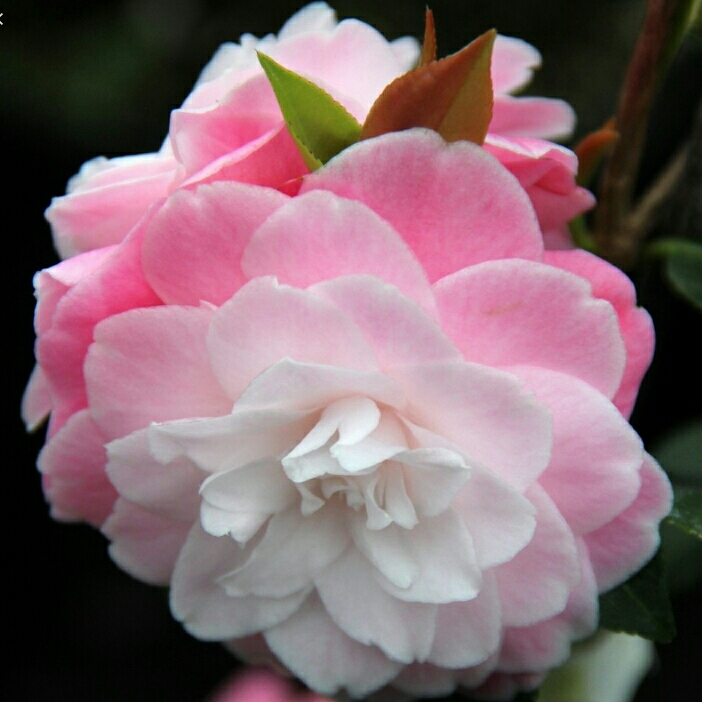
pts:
[260, 685]
[373, 431]
[230, 128]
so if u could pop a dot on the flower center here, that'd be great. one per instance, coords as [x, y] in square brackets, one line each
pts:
[348, 454]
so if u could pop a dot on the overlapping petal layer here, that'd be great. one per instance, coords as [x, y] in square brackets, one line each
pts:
[371, 429]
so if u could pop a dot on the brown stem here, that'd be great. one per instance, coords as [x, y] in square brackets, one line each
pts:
[613, 235]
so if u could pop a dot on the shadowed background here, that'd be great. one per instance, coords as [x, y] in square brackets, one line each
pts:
[77, 80]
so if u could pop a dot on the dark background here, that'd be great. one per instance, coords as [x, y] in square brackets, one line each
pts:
[78, 80]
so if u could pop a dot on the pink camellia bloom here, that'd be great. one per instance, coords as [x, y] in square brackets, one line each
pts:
[373, 432]
[230, 127]
[260, 685]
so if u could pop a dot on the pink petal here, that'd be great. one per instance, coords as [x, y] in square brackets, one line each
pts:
[151, 365]
[36, 400]
[483, 411]
[202, 605]
[537, 582]
[624, 545]
[400, 332]
[169, 491]
[513, 61]
[409, 179]
[199, 136]
[595, 451]
[326, 659]
[220, 443]
[72, 464]
[500, 520]
[240, 500]
[271, 160]
[193, 246]
[319, 236]
[293, 549]
[467, 633]
[354, 59]
[107, 204]
[51, 284]
[506, 313]
[541, 118]
[442, 549]
[547, 644]
[547, 172]
[144, 545]
[363, 610]
[117, 285]
[609, 283]
[266, 322]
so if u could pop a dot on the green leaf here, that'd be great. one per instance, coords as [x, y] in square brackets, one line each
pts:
[320, 126]
[683, 267]
[687, 511]
[452, 96]
[680, 453]
[641, 605]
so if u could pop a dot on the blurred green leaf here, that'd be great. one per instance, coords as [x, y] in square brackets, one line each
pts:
[687, 511]
[684, 270]
[680, 454]
[320, 126]
[683, 267]
[641, 605]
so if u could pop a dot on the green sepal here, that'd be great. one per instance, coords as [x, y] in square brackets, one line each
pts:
[641, 605]
[320, 126]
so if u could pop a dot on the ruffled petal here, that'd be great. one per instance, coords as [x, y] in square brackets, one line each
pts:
[367, 613]
[168, 490]
[483, 411]
[628, 542]
[409, 178]
[310, 386]
[193, 246]
[294, 324]
[400, 332]
[501, 520]
[318, 236]
[144, 545]
[107, 200]
[467, 633]
[313, 647]
[439, 552]
[539, 118]
[72, 464]
[537, 582]
[635, 325]
[293, 549]
[151, 365]
[201, 603]
[595, 451]
[505, 313]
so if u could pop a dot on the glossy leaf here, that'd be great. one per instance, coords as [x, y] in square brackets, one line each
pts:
[687, 511]
[641, 605]
[452, 96]
[680, 454]
[320, 126]
[683, 267]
